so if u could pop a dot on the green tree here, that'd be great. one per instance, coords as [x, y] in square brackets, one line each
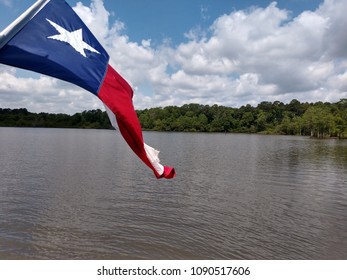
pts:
[319, 121]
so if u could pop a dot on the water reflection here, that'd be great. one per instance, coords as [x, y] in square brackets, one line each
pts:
[82, 194]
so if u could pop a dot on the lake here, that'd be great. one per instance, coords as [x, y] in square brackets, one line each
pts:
[83, 194]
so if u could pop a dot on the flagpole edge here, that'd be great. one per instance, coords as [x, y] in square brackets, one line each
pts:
[10, 31]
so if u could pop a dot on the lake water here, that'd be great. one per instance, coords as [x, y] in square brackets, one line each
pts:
[82, 194]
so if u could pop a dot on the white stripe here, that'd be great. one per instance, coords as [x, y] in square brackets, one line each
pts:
[112, 117]
[11, 30]
[151, 153]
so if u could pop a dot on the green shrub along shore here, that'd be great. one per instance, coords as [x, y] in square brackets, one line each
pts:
[320, 120]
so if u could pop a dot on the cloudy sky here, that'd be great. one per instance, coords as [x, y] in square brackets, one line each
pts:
[224, 52]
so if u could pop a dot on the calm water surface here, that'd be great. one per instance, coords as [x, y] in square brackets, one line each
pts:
[82, 194]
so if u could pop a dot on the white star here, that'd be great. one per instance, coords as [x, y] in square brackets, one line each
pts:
[73, 38]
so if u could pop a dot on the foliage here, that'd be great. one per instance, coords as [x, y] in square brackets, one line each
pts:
[311, 119]
[23, 118]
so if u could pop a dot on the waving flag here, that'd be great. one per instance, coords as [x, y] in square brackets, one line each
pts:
[50, 38]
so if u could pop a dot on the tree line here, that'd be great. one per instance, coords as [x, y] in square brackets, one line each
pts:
[312, 119]
[23, 118]
[318, 119]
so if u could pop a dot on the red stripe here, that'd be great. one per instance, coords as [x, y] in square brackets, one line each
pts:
[117, 95]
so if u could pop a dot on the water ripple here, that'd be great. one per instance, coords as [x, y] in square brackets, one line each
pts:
[65, 194]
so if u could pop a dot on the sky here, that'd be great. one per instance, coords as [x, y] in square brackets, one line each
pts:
[223, 52]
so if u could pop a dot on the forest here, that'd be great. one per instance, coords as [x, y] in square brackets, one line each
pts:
[320, 120]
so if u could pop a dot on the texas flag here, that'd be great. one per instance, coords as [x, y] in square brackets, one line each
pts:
[50, 38]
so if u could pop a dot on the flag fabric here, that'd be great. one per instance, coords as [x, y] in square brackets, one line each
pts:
[51, 39]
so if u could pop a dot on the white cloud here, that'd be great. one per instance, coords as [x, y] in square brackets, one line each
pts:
[334, 39]
[96, 17]
[267, 55]
[204, 13]
[7, 3]
[44, 94]
[249, 56]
